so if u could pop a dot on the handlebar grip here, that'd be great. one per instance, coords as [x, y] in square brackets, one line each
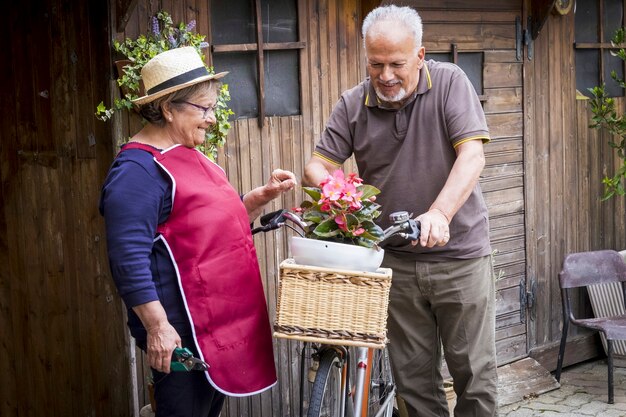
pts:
[269, 217]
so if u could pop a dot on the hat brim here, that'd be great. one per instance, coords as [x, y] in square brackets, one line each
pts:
[150, 97]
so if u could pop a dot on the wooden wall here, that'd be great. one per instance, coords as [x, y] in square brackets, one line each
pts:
[565, 162]
[63, 350]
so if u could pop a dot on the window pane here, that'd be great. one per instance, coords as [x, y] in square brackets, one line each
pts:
[587, 73]
[439, 56]
[472, 64]
[232, 22]
[613, 14]
[282, 86]
[586, 21]
[280, 20]
[613, 63]
[242, 82]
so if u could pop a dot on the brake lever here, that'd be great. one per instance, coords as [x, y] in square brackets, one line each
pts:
[403, 226]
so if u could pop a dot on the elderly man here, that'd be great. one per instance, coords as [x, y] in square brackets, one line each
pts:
[416, 129]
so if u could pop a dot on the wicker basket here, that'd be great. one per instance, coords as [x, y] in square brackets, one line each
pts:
[331, 306]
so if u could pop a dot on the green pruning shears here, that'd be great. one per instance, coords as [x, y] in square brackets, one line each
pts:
[183, 360]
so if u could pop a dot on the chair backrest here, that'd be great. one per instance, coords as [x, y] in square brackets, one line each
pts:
[594, 267]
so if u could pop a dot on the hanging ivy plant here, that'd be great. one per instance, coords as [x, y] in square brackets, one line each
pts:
[606, 115]
[164, 35]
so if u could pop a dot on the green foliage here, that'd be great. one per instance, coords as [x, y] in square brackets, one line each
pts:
[164, 35]
[605, 116]
[342, 210]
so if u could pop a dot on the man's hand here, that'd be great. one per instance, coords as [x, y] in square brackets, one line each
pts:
[434, 229]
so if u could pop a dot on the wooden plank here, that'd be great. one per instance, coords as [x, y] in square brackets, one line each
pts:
[502, 75]
[316, 13]
[477, 7]
[555, 161]
[500, 145]
[468, 37]
[124, 9]
[507, 301]
[500, 56]
[250, 47]
[511, 330]
[579, 348]
[503, 100]
[511, 349]
[522, 379]
[505, 125]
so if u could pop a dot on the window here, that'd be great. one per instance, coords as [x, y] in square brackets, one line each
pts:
[470, 62]
[257, 42]
[595, 24]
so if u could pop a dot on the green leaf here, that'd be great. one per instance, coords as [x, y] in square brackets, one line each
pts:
[368, 191]
[313, 192]
[327, 228]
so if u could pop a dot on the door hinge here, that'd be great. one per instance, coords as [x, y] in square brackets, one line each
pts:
[527, 298]
[523, 37]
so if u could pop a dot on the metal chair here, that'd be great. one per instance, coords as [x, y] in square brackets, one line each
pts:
[582, 270]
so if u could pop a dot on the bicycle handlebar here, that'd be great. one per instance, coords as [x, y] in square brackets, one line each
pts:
[403, 225]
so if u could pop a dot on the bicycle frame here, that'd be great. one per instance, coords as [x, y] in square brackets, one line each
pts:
[357, 401]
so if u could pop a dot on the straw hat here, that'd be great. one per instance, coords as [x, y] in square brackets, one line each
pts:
[171, 71]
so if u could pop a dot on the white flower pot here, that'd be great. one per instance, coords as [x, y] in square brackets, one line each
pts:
[335, 255]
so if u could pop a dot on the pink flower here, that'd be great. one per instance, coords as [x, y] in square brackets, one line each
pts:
[333, 186]
[341, 222]
[324, 205]
[353, 179]
[338, 196]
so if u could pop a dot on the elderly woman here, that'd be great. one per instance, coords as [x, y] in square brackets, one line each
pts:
[180, 248]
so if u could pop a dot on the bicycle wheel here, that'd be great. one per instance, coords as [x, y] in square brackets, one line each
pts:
[382, 387]
[327, 393]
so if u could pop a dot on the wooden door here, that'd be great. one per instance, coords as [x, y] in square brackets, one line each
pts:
[481, 39]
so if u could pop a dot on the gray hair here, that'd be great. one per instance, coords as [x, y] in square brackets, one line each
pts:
[408, 16]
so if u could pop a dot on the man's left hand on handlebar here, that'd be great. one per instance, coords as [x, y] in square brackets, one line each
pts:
[434, 229]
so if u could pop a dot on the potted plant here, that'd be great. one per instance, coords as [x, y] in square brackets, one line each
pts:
[164, 35]
[340, 230]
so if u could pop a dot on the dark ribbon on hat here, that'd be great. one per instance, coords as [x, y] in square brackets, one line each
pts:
[179, 79]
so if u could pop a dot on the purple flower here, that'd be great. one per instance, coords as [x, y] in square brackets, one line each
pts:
[155, 26]
[172, 41]
[191, 25]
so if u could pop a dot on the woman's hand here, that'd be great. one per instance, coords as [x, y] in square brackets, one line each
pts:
[162, 340]
[162, 337]
[279, 182]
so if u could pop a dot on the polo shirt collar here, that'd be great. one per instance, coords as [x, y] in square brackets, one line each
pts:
[424, 84]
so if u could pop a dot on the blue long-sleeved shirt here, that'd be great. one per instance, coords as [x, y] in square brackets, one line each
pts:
[136, 197]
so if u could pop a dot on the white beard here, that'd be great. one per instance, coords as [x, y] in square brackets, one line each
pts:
[394, 99]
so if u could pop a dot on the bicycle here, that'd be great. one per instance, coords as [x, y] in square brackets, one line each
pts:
[332, 393]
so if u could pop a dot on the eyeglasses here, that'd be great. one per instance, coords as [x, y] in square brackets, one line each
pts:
[206, 110]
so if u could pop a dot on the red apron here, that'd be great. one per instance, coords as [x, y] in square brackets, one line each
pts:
[208, 237]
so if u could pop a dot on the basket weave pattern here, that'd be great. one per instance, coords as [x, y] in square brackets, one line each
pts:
[331, 306]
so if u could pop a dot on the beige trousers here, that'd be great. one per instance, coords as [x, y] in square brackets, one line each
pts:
[449, 304]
